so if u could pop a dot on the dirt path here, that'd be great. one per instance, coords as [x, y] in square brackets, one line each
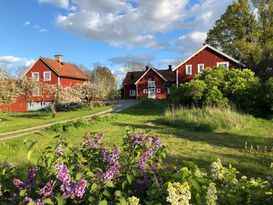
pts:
[120, 105]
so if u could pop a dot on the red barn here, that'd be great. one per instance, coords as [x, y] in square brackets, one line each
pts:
[49, 71]
[207, 56]
[151, 83]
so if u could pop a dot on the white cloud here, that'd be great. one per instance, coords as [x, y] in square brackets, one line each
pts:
[138, 22]
[61, 3]
[10, 59]
[123, 60]
[39, 28]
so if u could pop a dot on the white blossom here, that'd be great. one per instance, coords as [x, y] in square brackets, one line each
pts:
[179, 194]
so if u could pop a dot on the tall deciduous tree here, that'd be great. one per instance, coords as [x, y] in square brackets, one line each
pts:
[245, 32]
[102, 76]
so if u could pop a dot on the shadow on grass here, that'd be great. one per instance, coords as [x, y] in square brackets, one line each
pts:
[33, 115]
[4, 120]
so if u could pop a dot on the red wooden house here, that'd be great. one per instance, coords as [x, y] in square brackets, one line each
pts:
[151, 83]
[48, 71]
[156, 84]
[207, 56]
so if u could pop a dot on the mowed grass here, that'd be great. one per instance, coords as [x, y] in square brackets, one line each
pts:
[17, 121]
[182, 141]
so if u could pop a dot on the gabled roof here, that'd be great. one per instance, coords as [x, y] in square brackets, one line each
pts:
[151, 68]
[214, 49]
[64, 69]
[133, 77]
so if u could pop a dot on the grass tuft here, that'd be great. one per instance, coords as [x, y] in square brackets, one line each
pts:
[207, 119]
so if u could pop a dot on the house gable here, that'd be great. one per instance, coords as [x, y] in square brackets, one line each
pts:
[207, 56]
[149, 71]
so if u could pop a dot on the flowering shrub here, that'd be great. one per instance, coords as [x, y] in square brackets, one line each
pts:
[134, 174]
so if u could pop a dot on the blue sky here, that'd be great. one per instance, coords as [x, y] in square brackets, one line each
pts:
[110, 32]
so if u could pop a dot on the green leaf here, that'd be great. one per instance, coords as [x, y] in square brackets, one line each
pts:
[29, 153]
[130, 178]
[106, 193]
[104, 202]
[48, 201]
[195, 184]
[95, 187]
[118, 193]
[60, 200]
[79, 176]
[109, 183]
[23, 192]
[122, 201]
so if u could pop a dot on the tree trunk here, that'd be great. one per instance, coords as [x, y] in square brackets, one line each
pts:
[53, 109]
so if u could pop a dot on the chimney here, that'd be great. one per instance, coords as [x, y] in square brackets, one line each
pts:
[170, 67]
[59, 58]
[147, 68]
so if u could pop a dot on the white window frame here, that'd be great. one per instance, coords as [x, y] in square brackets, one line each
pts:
[151, 82]
[158, 90]
[145, 91]
[38, 76]
[49, 76]
[198, 66]
[222, 63]
[132, 93]
[188, 73]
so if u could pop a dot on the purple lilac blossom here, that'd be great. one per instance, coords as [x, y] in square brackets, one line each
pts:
[63, 176]
[28, 200]
[46, 191]
[144, 159]
[136, 139]
[111, 172]
[79, 188]
[112, 158]
[19, 184]
[93, 142]
[31, 175]
[156, 143]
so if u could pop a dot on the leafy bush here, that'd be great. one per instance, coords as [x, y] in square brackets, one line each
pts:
[222, 87]
[137, 174]
[206, 119]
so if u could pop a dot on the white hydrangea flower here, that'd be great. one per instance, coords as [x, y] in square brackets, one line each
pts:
[211, 196]
[216, 169]
[179, 194]
[133, 201]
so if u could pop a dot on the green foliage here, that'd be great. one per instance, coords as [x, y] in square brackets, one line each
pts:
[245, 34]
[91, 173]
[224, 88]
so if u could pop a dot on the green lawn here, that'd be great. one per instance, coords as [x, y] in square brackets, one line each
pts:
[17, 121]
[201, 147]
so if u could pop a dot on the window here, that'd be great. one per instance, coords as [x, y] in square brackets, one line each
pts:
[36, 92]
[145, 91]
[158, 90]
[151, 83]
[201, 67]
[223, 64]
[47, 76]
[188, 69]
[35, 76]
[132, 93]
[168, 90]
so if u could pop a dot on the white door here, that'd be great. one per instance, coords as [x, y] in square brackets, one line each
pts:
[151, 93]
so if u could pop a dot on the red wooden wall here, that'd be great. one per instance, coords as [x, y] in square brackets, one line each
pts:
[126, 91]
[207, 57]
[159, 83]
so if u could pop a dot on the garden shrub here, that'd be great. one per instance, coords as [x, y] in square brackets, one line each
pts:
[222, 87]
[137, 173]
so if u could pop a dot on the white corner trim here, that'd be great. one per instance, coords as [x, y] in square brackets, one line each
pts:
[177, 82]
[151, 68]
[214, 49]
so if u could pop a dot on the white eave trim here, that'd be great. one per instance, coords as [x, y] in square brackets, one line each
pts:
[151, 68]
[214, 49]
